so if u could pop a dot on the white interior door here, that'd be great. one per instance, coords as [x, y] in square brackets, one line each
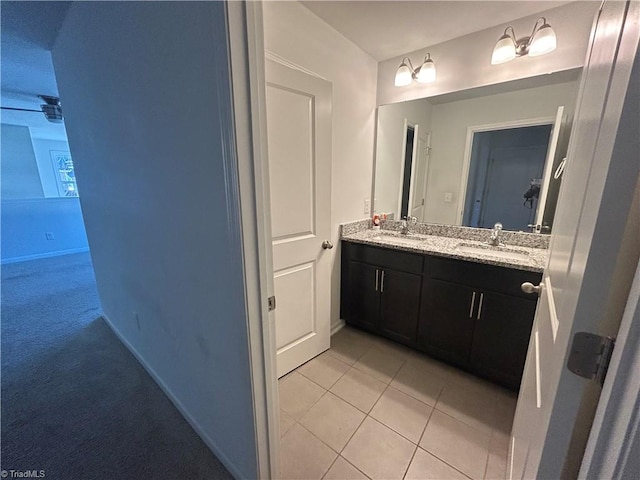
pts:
[593, 208]
[299, 139]
[419, 169]
[548, 167]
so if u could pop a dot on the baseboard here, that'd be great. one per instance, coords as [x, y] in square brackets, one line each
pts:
[229, 465]
[336, 327]
[36, 256]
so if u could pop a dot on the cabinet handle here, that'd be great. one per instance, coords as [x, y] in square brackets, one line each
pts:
[473, 301]
[480, 305]
[377, 273]
[382, 283]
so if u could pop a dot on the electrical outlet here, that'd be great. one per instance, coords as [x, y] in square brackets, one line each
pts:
[367, 206]
[49, 235]
[448, 197]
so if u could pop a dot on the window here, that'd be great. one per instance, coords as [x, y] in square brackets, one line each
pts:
[64, 173]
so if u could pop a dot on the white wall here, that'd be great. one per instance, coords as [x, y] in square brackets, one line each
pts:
[157, 185]
[465, 62]
[449, 131]
[389, 149]
[297, 35]
[19, 175]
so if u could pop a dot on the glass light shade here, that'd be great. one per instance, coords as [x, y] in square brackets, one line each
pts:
[504, 51]
[544, 41]
[427, 73]
[404, 75]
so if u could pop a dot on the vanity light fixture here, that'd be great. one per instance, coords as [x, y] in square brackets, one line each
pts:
[425, 73]
[541, 41]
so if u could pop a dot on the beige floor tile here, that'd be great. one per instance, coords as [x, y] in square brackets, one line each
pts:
[286, 422]
[402, 413]
[298, 394]
[333, 421]
[498, 453]
[380, 364]
[504, 411]
[378, 451]
[348, 345]
[472, 403]
[303, 456]
[419, 383]
[359, 389]
[425, 466]
[343, 470]
[425, 363]
[456, 443]
[325, 370]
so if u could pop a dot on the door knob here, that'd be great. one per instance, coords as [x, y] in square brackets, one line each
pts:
[528, 287]
[327, 245]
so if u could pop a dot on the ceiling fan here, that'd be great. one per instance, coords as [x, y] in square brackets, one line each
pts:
[52, 108]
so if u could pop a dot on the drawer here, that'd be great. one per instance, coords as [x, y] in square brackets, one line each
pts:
[384, 257]
[481, 276]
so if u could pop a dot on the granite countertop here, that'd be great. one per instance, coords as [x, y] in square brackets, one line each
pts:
[518, 257]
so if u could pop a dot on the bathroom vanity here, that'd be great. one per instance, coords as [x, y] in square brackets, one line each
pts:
[444, 296]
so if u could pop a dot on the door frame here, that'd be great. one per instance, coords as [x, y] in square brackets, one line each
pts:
[405, 130]
[468, 149]
[247, 57]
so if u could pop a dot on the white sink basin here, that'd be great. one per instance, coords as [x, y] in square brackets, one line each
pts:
[398, 239]
[500, 252]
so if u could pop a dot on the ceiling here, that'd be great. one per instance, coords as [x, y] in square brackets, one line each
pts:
[27, 32]
[386, 29]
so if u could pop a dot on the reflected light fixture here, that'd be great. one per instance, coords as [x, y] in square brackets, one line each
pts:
[542, 40]
[425, 73]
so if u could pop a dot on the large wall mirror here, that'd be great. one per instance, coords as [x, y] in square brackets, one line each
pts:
[474, 158]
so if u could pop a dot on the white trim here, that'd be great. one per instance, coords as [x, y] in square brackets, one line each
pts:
[471, 130]
[269, 55]
[336, 327]
[249, 94]
[58, 253]
[229, 465]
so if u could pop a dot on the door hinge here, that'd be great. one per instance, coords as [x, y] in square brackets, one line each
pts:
[590, 355]
[271, 303]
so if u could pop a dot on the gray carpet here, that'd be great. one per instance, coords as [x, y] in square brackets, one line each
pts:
[75, 402]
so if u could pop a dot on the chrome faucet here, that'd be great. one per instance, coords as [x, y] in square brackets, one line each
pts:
[494, 239]
[406, 223]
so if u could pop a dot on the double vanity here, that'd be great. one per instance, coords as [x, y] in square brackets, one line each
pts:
[445, 291]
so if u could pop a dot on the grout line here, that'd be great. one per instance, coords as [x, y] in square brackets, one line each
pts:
[406, 470]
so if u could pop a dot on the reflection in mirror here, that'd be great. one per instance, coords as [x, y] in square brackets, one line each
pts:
[476, 158]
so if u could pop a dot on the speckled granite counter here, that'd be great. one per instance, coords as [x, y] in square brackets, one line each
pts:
[466, 247]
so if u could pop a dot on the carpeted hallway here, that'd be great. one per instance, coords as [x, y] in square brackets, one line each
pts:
[75, 402]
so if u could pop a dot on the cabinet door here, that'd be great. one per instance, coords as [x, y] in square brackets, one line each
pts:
[400, 305]
[447, 319]
[501, 338]
[362, 295]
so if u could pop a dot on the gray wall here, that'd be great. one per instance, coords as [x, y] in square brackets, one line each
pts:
[147, 100]
[19, 174]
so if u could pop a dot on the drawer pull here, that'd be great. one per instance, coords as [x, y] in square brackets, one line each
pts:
[480, 305]
[377, 273]
[473, 301]
[382, 283]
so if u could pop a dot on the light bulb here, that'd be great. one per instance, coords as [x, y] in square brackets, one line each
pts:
[544, 41]
[504, 51]
[404, 75]
[427, 73]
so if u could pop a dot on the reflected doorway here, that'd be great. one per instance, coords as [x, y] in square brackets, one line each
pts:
[505, 177]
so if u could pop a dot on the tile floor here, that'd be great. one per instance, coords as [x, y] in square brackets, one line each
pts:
[370, 408]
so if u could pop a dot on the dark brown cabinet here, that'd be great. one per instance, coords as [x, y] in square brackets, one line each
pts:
[469, 314]
[381, 292]
[447, 327]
